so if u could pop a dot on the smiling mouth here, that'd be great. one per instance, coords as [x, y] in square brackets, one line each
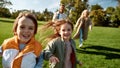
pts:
[67, 35]
[26, 36]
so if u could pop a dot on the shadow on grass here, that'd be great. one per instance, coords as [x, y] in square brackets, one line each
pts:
[7, 21]
[101, 50]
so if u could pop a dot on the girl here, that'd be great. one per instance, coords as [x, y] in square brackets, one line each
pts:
[22, 49]
[82, 26]
[61, 49]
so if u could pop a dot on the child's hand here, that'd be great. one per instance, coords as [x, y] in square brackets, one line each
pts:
[0, 53]
[80, 63]
[90, 28]
[53, 59]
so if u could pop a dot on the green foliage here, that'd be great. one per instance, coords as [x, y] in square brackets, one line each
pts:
[98, 17]
[15, 14]
[47, 15]
[110, 10]
[74, 8]
[4, 12]
[40, 16]
[115, 17]
[96, 7]
[4, 3]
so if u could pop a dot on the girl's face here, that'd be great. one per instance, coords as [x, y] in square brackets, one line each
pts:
[25, 29]
[86, 13]
[65, 31]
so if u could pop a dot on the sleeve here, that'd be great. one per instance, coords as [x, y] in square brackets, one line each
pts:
[77, 23]
[49, 50]
[40, 61]
[90, 24]
[54, 16]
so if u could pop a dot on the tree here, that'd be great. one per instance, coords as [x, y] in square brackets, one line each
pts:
[74, 8]
[40, 16]
[98, 17]
[110, 10]
[4, 3]
[96, 7]
[115, 18]
[4, 12]
[47, 15]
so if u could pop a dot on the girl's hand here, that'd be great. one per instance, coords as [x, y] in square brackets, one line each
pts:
[90, 28]
[54, 59]
[80, 63]
[0, 54]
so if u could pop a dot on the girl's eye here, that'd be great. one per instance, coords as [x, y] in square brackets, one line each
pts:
[31, 28]
[22, 27]
[63, 30]
[69, 29]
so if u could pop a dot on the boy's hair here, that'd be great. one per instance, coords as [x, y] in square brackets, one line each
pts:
[27, 15]
[62, 4]
[56, 27]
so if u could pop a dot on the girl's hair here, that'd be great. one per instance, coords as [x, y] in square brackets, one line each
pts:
[56, 27]
[83, 12]
[27, 15]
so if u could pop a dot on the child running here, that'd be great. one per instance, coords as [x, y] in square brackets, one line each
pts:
[61, 48]
[22, 49]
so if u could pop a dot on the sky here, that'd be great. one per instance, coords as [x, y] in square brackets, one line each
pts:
[37, 5]
[104, 3]
[51, 5]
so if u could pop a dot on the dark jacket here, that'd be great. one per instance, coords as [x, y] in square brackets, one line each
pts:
[57, 48]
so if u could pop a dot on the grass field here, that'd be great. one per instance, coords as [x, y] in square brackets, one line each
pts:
[100, 50]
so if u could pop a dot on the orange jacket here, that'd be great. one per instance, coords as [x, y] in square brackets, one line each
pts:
[14, 58]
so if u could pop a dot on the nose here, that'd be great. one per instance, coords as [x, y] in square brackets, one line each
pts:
[26, 30]
[66, 31]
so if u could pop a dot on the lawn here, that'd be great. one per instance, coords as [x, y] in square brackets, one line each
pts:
[100, 50]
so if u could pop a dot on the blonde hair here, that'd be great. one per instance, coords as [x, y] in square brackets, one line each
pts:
[84, 11]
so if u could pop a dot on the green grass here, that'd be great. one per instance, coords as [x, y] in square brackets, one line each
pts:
[100, 50]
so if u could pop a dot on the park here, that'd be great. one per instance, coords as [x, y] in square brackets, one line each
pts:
[101, 50]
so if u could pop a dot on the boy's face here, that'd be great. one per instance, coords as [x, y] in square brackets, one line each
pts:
[62, 8]
[65, 31]
[25, 29]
